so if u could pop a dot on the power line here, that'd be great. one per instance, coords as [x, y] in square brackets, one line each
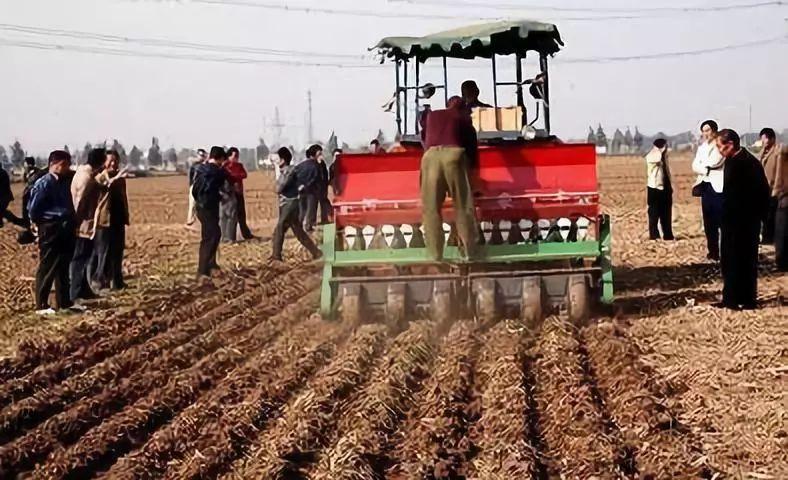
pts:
[168, 43]
[346, 12]
[174, 56]
[297, 63]
[398, 15]
[545, 7]
[685, 53]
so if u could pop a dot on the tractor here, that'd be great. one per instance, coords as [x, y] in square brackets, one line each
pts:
[546, 247]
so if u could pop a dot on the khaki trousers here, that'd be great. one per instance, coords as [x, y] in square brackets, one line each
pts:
[444, 170]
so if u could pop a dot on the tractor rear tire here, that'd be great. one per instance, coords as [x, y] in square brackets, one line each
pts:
[531, 307]
[578, 300]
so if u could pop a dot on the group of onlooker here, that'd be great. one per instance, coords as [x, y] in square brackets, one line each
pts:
[744, 202]
[79, 218]
[232, 202]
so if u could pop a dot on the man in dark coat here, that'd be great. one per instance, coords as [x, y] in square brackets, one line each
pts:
[6, 197]
[206, 190]
[745, 206]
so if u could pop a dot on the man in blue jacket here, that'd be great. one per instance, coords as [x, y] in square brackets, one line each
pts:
[52, 210]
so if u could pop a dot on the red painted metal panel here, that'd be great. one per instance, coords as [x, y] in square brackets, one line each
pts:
[535, 180]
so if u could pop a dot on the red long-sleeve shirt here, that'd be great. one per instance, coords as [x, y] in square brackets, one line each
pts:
[236, 174]
[450, 128]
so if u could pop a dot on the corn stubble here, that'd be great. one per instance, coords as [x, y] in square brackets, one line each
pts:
[433, 441]
[502, 432]
[376, 412]
[573, 428]
[306, 420]
[662, 447]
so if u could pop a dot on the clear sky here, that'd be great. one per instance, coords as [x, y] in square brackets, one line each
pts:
[53, 97]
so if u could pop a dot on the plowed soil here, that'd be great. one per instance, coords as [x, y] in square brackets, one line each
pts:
[242, 380]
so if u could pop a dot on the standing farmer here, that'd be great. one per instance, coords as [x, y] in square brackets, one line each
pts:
[51, 208]
[450, 151]
[309, 170]
[112, 217]
[208, 180]
[237, 174]
[85, 192]
[291, 181]
[745, 204]
[202, 156]
[770, 159]
[660, 191]
[781, 221]
[709, 164]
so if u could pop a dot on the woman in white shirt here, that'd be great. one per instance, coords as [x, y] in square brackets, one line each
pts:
[709, 165]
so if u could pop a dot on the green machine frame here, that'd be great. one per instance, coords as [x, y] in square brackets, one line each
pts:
[600, 249]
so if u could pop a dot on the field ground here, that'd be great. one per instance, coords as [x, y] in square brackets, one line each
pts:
[243, 381]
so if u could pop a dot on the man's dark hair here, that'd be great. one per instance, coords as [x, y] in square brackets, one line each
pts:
[769, 132]
[202, 151]
[96, 157]
[312, 151]
[231, 151]
[712, 125]
[375, 142]
[30, 161]
[218, 153]
[285, 154]
[730, 136]
[114, 153]
[59, 156]
[469, 85]
[660, 143]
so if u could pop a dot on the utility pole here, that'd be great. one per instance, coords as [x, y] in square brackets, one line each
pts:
[750, 129]
[309, 131]
[277, 127]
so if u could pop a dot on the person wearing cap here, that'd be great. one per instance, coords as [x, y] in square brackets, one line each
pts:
[450, 151]
[191, 213]
[470, 94]
[51, 209]
[292, 181]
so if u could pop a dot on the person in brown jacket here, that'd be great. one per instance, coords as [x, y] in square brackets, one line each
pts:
[781, 218]
[112, 217]
[770, 158]
[85, 195]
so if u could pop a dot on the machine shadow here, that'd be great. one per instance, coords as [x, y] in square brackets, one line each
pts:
[665, 278]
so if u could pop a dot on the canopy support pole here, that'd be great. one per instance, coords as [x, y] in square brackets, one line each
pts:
[520, 99]
[399, 117]
[495, 92]
[405, 75]
[445, 82]
[546, 99]
[418, 84]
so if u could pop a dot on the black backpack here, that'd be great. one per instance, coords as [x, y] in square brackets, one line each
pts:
[205, 189]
